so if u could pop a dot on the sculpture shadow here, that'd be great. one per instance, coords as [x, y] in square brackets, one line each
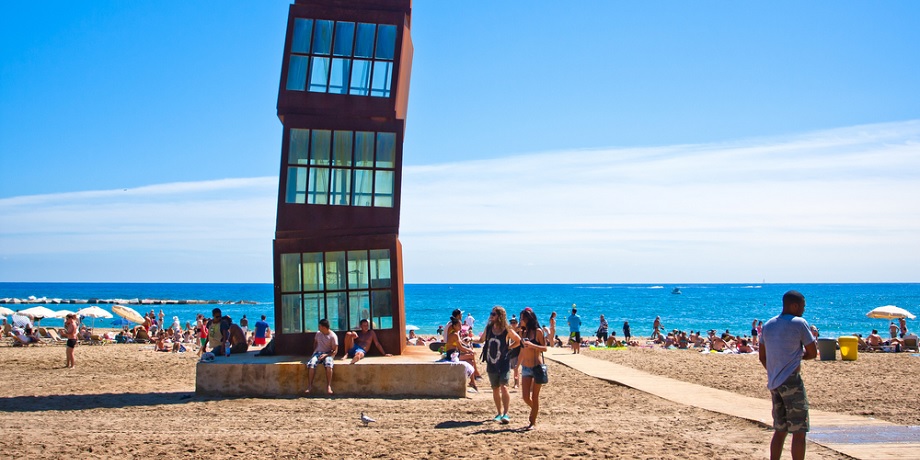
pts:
[93, 401]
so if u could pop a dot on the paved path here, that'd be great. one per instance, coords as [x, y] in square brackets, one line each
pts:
[856, 436]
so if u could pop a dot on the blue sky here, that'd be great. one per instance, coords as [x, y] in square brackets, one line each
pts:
[609, 142]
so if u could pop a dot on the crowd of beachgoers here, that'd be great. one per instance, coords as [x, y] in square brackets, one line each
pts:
[709, 341]
[174, 337]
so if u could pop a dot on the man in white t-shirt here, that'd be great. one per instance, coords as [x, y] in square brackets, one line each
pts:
[469, 321]
[325, 345]
[787, 340]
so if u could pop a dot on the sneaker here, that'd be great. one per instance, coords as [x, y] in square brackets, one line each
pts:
[498, 418]
[506, 419]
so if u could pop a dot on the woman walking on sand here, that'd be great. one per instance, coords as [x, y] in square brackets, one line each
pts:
[533, 345]
[499, 339]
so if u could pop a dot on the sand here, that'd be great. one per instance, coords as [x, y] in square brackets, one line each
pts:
[127, 401]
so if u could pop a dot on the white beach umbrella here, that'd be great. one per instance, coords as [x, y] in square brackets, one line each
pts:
[6, 311]
[890, 312]
[410, 327]
[62, 313]
[128, 313]
[38, 313]
[94, 312]
[22, 321]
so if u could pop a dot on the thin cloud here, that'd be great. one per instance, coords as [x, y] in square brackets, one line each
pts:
[836, 205]
[840, 202]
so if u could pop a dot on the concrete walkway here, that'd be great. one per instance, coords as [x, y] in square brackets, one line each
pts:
[855, 436]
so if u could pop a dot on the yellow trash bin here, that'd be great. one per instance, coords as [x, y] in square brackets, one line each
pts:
[849, 348]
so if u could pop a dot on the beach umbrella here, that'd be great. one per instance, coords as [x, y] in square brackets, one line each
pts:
[62, 313]
[38, 312]
[94, 312]
[128, 313]
[22, 321]
[121, 322]
[410, 327]
[6, 311]
[890, 312]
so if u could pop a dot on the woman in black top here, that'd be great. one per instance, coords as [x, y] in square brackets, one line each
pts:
[499, 340]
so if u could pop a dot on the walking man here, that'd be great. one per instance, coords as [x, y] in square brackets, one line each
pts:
[785, 342]
[575, 330]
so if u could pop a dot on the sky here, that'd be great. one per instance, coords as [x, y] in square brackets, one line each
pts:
[612, 142]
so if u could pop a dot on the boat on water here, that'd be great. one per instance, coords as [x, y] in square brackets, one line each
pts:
[675, 291]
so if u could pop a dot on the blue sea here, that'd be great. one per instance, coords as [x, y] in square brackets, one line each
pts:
[836, 309]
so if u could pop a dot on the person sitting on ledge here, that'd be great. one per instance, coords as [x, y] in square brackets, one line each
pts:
[358, 343]
[325, 344]
[238, 342]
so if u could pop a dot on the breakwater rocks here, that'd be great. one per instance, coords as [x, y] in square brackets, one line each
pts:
[46, 301]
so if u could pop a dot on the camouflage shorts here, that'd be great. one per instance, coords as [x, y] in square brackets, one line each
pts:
[790, 406]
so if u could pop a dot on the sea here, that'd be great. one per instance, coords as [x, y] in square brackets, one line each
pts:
[836, 309]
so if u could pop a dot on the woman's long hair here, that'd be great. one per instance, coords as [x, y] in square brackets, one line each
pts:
[499, 317]
[529, 321]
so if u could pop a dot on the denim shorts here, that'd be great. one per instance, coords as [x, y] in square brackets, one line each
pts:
[526, 372]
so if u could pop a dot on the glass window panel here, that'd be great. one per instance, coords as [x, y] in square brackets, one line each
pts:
[320, 144]
[290, 272]
[382, 309]
[380, 268]
[341, 187]
[303, 28]
[386, 150]
[318, 188]
[386, 41]
[359, 307]
[383, 189]
[299, 147]
[297, 73]
[364, 148]
[364, 45]
[338, 77]
[357, 270]
[319, 74]
[313, 310]
[363, 187]
[291, 319]
[344, 38]
[382, 74]
[296, 186]
[341, 151]
[336, 271]
[337, 310]
[322, 37]
[313, 272]
[360, 78]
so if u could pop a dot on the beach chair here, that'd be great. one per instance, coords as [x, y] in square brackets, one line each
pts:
[7, 330]
[141, 336]
[53, 335]
[909, 343]
[49, 334]
[97, 339]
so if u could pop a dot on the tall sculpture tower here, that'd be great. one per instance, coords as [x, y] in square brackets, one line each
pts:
[342, 100]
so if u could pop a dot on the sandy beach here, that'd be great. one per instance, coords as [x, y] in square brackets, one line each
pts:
[127, 401]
